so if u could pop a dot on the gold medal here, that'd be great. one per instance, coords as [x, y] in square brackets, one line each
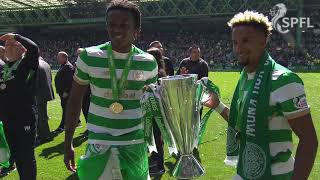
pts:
[116, 107]
[3, 86]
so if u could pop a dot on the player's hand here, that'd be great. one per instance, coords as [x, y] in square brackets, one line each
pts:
[145, 88]
[213, 101]
[69, 158]
[184, 70]
[8, 36]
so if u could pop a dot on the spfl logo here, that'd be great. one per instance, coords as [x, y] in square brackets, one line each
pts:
[283, 24]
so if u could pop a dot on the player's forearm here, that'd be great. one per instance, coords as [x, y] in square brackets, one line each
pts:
[223, 110]
[225, 113]
[305, 156]
[72, 116]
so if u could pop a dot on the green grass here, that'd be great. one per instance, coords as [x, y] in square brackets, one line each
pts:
[49, 156]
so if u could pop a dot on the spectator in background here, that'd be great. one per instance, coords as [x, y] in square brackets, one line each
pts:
[63, 81]
[156, 162]
[44, 94]
[167, 62]
[18, 109]
[194, 64]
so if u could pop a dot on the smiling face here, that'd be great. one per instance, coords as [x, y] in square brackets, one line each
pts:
[248, 44]
[122, 29]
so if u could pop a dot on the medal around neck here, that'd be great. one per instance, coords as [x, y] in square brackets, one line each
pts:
[116, 108]
[3, 86]
[118, 85]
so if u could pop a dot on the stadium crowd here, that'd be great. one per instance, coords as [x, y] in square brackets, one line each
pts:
[216, 48]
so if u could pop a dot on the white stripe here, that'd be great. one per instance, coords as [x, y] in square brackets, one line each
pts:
[143, 57]
[81, 65]
[278, 123]
[80, 81]
[112, 169]
[251, 75]
[133, 75]
[282, 168]
[298, 113]
[94, 51]
[286, 92]
[107, 93]
[120, 56]
[111, 131]
[106, 112]
[276, 74]
[115, 143]
[278, 147]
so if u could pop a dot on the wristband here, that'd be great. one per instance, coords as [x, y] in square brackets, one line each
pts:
[220, 107]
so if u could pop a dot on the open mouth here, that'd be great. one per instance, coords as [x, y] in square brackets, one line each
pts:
[118, 36]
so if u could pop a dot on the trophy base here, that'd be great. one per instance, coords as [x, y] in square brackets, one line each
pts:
[188, 168]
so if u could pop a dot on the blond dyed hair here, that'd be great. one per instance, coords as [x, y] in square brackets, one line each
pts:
[252, 18]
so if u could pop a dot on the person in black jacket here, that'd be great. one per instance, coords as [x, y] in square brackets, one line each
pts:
[44, 94]
[194, 64]
[63, 81]
[18, 109]
[5, 170]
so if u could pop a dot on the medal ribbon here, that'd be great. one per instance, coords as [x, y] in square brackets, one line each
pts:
[7, 71]
[118, 86]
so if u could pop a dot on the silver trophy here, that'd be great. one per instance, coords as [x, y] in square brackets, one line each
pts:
[180, 101]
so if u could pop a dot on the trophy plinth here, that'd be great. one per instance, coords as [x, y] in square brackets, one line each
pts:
[188, 167]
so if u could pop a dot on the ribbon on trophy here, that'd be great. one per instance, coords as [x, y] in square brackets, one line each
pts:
[205, 87]
[151, 105]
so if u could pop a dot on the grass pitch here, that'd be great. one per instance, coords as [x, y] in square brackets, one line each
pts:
[49, 156]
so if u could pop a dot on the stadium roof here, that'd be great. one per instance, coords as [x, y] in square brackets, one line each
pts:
[32, 4]
[29, 4]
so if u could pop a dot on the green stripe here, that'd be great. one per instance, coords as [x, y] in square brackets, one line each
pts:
[113, 123]
[106, 83]
[82, 75]
[275, 111]
[286, 176]
[127, 104]
[153, 80]
[285, 79]
[289, 105]
[139, 134]
[280, 135]
[281, 157]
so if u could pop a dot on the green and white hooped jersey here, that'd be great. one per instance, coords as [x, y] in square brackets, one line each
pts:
[106, 127]
[287, 101]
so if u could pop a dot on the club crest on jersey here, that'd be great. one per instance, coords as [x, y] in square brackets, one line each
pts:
[300, 102]
[138, 75]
